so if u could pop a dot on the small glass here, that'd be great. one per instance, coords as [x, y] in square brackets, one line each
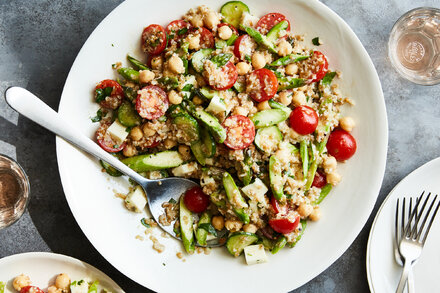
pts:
[414, 46]
[12, 204]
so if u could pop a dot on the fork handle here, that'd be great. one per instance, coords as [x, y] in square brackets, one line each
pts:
[404, 277]
[410, 281]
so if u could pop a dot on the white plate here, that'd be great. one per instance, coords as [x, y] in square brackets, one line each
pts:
[383, 272]
[112, 229]
[43, 267]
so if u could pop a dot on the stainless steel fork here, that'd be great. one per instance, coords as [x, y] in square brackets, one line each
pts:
[411, 241]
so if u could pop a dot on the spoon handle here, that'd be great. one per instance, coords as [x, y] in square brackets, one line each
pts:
[30, 106]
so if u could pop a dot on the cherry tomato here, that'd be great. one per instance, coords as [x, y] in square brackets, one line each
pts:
[263, 83]
[152, 102]
[244, 46]
[105, 140]
[154, 39]
[195, 200]
[240, 132]
[341, 145]
[114, 100]
[206, 38]
[225, 79]
[284, 225]
[177, 29]
[322, 66]
[31, 289]
[303, 120]
[277, 208]
[269, 20]
[319, 181]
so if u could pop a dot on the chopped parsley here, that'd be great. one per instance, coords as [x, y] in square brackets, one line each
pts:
[187, 88]
[182, 31]
[208, 228]
[221, 59]
[327, 80]
[316, 41]
[172, 200]
[101, 94]
[98, 116]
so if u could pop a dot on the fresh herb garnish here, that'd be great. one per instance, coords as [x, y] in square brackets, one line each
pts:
[316, 41]
[101, 94]
[94, 287]
[143, 222]
[248, 58]
[327, 80]
[221, 59]
[187, 88]
[172, 200]
[98, 116]
[2, 287]
[170, 36]
[182, 31]
[208, 228]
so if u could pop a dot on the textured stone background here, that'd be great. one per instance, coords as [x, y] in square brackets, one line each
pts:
[38, 43]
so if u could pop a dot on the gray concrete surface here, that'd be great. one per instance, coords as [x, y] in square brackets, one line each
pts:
[38, 43]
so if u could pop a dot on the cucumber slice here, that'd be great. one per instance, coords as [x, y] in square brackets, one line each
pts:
[215, 199]
[245, 174]
[128, 116]
[175, 110]
[238, 241]
[208, 93]
[197, 150]
[109, 169]
[298, 238]
[240, 85]
[209, 145]
[279, 244]
[199, 58]
[272, 35]
[235, 198]
[268, 138]
[220, 44]
[188, 125]
[268, 117]
[276, 105]
[212, 124]
[275, 178]
[232, 12]
[202, 234]
[153, 162]
[186, 227]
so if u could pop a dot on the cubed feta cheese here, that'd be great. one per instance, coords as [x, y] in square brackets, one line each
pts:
[80, 286]
[118, 132]
[217, 105]
[248, 19]
[209, 161]
[136, 200]
[256, 190]
[185, 169]
[255, 254]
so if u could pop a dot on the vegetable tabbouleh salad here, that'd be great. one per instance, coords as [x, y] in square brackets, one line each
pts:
[241, 104]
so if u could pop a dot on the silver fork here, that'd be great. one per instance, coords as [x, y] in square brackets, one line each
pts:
[411, 242]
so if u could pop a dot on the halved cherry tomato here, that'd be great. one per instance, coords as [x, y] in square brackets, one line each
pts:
[341, 145]
[177, 29]
[31, 289]
[303, 120]
[277, 208]
[269, 20]
[196, 200]
[263, 83]
[240, 47]
[154, 39]
[319, 181]
[323, 66]
[152, 102]
[114, 100]
[284, 225]
[206, 38]
[240, 132]
[225, 79]
[105, 140]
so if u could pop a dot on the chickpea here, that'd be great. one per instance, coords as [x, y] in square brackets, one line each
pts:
[299, 98]
[286, 98]
[200, 80]
[305, 210]
[211, 20]
[62, 281]
[175, 64]
[316, 214]
[136, 133]
[218, 222]
[263, 106]
[129, 150]
[169, 143]
[233, 225]
[174, 97]
[329, 164]
[185, 151]
[333, 178]
[20, 282]
[157, 62]
[194, 42]
[291, 69]
[284, 48]
[53, 289]
[258, 60]
[250, 228]
[225, 32]
[196, 20]
[145, 76]
[240, 111]
[243, 68]
[197, 101]
[347, 123]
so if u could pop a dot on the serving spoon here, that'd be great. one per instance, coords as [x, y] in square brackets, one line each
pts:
[157, 191]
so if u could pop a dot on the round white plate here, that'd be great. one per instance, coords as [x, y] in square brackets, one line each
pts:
[113, 230]
[43, 267]
[383, 272]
